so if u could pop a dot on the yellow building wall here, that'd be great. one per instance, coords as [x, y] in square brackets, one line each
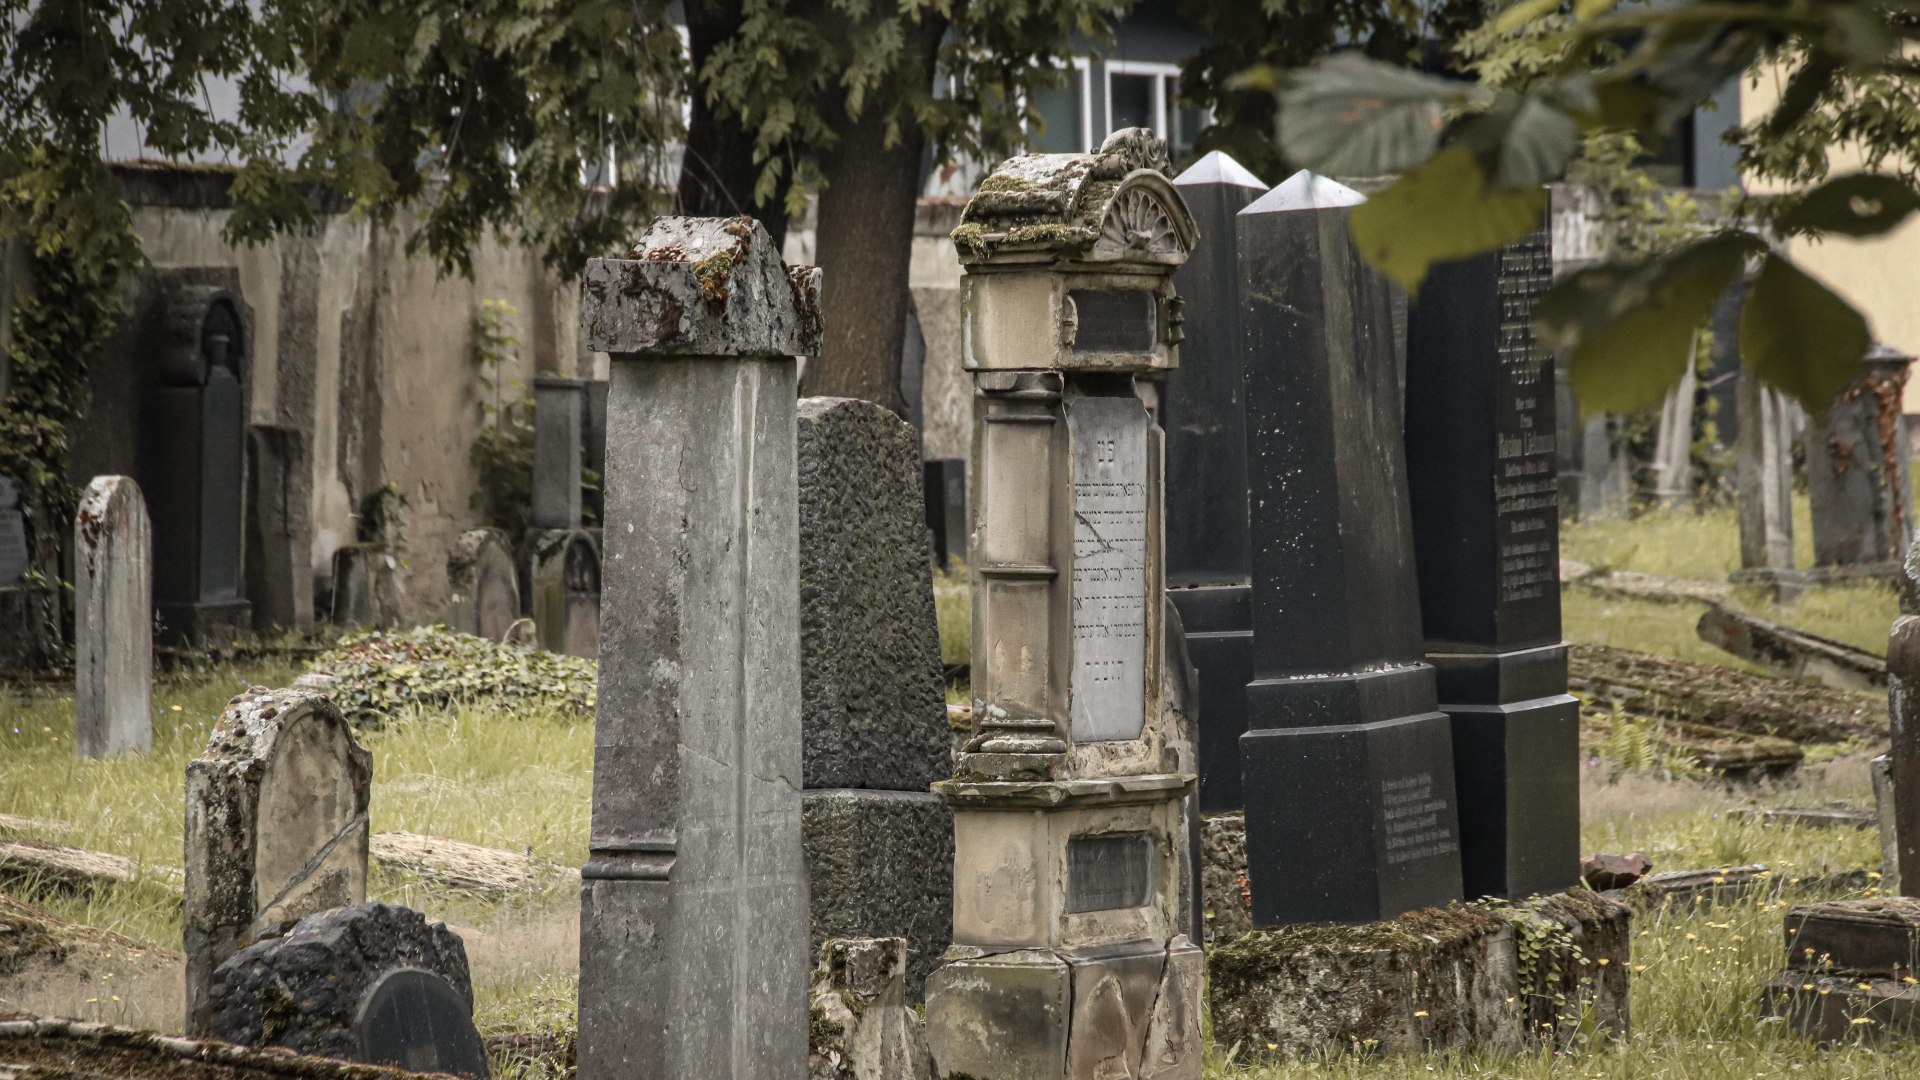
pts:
[1880, 276]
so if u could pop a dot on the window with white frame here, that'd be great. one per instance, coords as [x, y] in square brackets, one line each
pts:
[1143, 94]
[1066, 113]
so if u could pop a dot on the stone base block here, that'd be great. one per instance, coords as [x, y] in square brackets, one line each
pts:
[1441, 978]
[210, 624]
[1517, 771]
[880, 864]
[1037, 1015]
[1876, 936]
[1834, 1008]
[1353, 823]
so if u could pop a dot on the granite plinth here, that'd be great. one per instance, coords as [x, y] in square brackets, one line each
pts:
[1219, 632]
[880, 864]
[1516, 770]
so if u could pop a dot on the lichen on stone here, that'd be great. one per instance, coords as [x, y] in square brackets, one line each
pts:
[713, 273]
[970, 238]
[1004, 183]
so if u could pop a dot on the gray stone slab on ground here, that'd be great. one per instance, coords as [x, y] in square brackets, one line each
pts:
[276, 826]
[693, 926]
[1792, 652]
[374, 983]
[880, 863]
[112, 620]
[873, 704]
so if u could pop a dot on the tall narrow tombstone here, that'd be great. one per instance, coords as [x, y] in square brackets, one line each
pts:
[594, 502]
[559, 437]
[1347, 762]
[693, 923]
[112, 620]
[483, 589]
[1763, 488]
[1209, 561]
[1671, 470]
[193, 466]
[1482, 475]
[944, 482]
[1903, 706]
[276, 827]
[565, 591]
[1070, 954]
[873, 705]
[1857, 473]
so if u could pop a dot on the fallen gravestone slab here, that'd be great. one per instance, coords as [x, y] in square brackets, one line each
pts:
[1793, 653]
[75, 869]
[1698, 887]
[1850, 970]
[1643, 684]
[1810, 817]
[46, 1048]
[461, 867]
[374, 983]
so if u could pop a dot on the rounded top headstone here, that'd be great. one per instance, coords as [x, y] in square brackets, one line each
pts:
[416, 1020]
[701, 287]
[1114, 205]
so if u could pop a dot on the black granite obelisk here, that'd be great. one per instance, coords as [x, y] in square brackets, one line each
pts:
[1203, 411]
[1480, 438]
[1347, 763]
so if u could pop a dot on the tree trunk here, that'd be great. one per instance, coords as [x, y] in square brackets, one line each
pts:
[718, 172]
[865, 244]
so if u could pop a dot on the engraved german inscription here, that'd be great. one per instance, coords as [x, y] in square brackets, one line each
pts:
[1416, 827]
[1526, 495]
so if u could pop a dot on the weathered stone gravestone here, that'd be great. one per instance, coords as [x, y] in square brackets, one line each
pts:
[194, 464]
[1483, 480]
[693, 924]
[1070, 954]
[559, 421]
[483, 587]
[276, 827]
[1205, 417]
[872, 700]
[1903, 705]
[15, 558]
[566, 591]
[861, 1027]
[112, 620]
[1763, 484]
[1857, 474]
[369, 586]
[1348, 771]
[372, 983]
[30, 634]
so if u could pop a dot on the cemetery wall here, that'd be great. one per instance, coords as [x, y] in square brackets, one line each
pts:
[358, 348]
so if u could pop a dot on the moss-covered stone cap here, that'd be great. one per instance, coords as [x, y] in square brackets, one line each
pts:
[1113, 205]
[701, 287]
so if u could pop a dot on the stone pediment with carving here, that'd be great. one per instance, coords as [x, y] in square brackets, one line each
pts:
[1113, 206]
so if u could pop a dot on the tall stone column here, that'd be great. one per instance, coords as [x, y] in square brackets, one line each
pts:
[1347, 761]
[1070, 955]
[1763, 488]
[1481, 471]
[693, 926]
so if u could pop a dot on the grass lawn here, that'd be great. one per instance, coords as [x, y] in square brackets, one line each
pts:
[520, 780]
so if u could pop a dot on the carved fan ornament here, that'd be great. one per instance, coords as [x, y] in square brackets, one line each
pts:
[1136, 223]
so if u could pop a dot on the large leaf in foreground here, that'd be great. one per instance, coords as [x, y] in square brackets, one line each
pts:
[1629, 330]
[1863, 204]
[1440, 211]
[1352, 116]
[1798, 336]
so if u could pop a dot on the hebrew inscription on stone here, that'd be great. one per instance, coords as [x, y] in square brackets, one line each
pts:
[1109, 438]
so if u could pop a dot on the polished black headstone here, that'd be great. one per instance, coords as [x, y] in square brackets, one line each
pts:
[945, 490]
[1482, 469]
[416, 1020]
[1204, 414]
[193, 467]
[1347, 765]
[14, 556]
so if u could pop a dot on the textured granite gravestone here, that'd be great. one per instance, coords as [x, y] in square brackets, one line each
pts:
[872, 700]
[693, 923]
[373, 983]
[1857, 472]
[945, 484]
[193, 463]
[1071, 956]
[1203, 410]
[112, 620]
[1347, 763]
[1482, 476]
[276, 827]
[483, 589]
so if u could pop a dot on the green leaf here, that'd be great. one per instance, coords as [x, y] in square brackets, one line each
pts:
[1630, 330]
[1525, 141]
[1862, 204]
[1803, 91]
[1798, 336]
[1352, 116]
[1439, 211]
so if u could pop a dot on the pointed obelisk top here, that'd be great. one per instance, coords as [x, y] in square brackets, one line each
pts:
[1306, 191]
[1218, 168]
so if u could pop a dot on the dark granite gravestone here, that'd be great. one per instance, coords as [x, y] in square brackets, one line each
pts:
[1204, 413]
[945, 489]
[374, 983]
[415, 1020]
[1481, 471]
[1347, 762]
[193, 466]
[15, 559]
[559, 439]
